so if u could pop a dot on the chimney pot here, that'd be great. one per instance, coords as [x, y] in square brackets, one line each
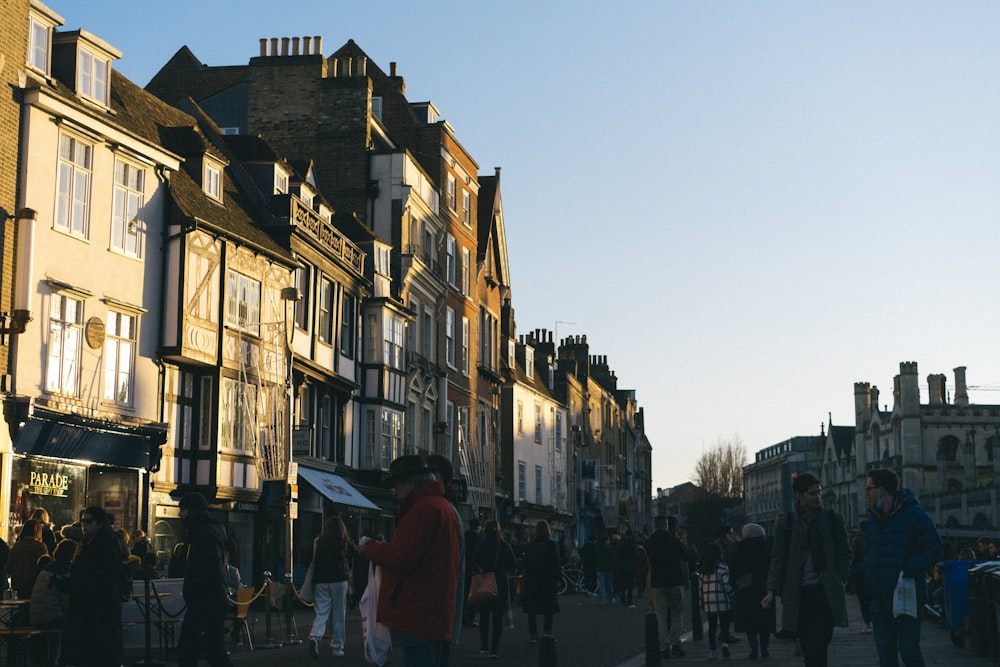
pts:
[362, 66]
[263, 47]
[295, 46]
[284, 46]
[306, 46]
[274, 46]
[392, 69]
[318, 44]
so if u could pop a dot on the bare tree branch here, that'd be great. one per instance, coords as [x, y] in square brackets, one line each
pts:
[720, 469]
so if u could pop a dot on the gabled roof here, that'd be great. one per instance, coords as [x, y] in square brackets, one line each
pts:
[843, 440]
[186, 76]
[492, 241]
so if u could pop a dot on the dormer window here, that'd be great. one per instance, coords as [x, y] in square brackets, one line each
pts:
[83, 60]
[42, 22]
[92, 76]
[280, 182]
[211, 182]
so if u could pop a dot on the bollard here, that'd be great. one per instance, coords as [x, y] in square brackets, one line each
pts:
[652, 640]
[268, 641]
[547, 651]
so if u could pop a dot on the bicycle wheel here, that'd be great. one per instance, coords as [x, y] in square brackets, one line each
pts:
[562, 585]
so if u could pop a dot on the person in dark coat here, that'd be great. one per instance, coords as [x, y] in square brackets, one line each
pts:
[22, 561]
[203, 629]
[541, 578]
[472, 540]
[332, 552]
[625, 558]
[588, 561]
[748, 575]
[98, 584]
[493, 553]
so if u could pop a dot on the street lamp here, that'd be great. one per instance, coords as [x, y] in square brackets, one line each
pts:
[289, 297]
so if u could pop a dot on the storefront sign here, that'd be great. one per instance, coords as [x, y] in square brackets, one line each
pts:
[48, 484]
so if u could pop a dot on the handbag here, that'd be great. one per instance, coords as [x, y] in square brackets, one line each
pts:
[307, 593]
[483, 587]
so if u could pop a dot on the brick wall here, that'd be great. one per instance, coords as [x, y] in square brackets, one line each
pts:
[13, 52]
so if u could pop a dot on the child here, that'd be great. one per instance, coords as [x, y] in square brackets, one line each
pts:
[716, 597]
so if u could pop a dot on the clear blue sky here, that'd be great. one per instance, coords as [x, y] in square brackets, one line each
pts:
[746, 206]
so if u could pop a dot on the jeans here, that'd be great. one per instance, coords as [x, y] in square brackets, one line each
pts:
[815, 625]
[422, 655]
[667, 603]
[607, 589]
[896, 634]
[330, 599]
[491, 618]
[203, 633]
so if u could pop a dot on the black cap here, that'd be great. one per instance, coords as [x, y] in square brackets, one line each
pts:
[403, 467]
[194, 502]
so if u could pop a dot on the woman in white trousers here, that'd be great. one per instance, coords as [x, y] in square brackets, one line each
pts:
[331, 569]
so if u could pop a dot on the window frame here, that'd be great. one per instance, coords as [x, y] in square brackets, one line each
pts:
[465, 345]
[325, 302]
[72, 215]
[449, 333]
[62, 371]
[467, 208]
[451, 195]
[211, 180]
[34, 48]
[242, 313]
[128, 200]
[348, 325]
[466, 271]
[522, 481]
[93, 82]
[115, 343]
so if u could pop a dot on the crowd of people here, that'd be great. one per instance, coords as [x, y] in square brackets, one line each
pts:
[77, 577]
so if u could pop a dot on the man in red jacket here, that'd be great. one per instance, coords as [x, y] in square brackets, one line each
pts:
[420, 565]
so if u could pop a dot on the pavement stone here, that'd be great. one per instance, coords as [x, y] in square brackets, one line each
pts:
[589, 635]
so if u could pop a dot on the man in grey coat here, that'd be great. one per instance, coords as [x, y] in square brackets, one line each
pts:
[809, 567]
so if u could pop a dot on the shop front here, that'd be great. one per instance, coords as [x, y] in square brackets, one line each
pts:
[63, 464]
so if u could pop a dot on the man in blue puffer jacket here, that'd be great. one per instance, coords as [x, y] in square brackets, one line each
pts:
[901, 538]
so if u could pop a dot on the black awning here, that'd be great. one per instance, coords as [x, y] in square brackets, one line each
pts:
[122, 447]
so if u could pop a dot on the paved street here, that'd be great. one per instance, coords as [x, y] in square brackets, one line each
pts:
[590, 635]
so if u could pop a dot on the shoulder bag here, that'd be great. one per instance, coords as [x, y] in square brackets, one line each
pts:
[483, 587]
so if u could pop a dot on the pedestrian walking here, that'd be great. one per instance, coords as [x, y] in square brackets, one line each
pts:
[541, 577]
[667, 579]
[809, 568]
[902, 542]
[332, 551]
[472, 538]
[203, 629]
[748, 575]
[419, 565]
[716, 598]
[495, 554]
[98, 584]
[625, 559]
[604, 562]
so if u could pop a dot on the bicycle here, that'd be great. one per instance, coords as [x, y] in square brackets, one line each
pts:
[573, 580]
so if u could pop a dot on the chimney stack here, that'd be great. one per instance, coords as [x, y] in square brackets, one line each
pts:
[263, 47]
[392, 69]
[284, 46]
[295, 46]
[961, 390]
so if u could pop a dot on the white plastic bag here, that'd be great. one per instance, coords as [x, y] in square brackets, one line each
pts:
[904, 599]
[378, 642]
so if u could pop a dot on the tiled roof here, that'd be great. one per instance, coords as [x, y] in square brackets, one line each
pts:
[186, 76]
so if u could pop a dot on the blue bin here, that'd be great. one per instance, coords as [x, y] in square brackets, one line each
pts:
[955, 579]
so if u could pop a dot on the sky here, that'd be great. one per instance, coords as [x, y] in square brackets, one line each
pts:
[747, 207]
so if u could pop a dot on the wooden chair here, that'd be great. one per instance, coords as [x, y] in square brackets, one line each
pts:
[241, 628]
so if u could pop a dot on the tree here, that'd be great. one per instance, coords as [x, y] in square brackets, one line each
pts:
[720, 469]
